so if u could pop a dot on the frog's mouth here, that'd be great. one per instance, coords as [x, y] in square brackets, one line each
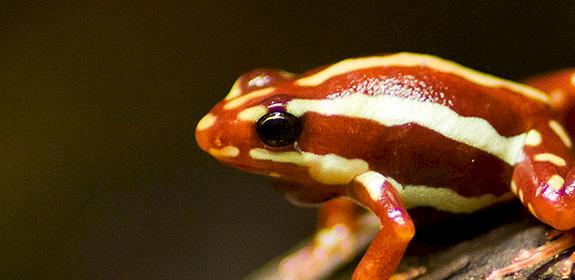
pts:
[239, 163]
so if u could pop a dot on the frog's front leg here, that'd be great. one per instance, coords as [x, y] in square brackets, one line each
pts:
[544, 181]
[377, 194]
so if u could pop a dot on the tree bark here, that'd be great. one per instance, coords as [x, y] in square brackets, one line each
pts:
[469, 247]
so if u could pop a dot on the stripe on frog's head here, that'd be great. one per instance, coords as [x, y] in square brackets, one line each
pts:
[206, 122]
[252, 114]
[395, 111]
[240, 100]
[227, 151]
[257, 79]
[235, 91]
[420, 60]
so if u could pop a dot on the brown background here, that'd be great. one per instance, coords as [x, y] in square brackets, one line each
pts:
[100, 177]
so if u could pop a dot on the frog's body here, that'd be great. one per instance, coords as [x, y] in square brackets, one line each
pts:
[401, 131]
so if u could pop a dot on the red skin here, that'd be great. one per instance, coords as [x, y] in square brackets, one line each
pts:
[410, 154]
[561, 88]
[558, 212]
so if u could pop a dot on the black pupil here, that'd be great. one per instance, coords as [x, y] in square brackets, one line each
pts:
[278, 129]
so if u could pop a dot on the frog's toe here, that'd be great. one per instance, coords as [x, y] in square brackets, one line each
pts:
[412, 273]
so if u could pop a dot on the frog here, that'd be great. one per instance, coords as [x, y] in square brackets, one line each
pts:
[394, 133]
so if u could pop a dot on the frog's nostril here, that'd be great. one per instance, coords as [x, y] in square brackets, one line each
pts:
[218, 143]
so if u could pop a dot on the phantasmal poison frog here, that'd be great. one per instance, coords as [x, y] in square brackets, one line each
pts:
[397, 132]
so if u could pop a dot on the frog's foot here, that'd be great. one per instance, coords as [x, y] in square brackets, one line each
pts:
[330, 247]
[566, 266]
[412, 273]
[527, 258]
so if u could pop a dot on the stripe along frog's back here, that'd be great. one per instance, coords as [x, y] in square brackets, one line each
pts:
[392, 132]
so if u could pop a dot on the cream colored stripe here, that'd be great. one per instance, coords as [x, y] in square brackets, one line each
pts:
[513, 187]
[556, 182]
[558, 129]
[533, 138]
[227, 151]
[394, 111]
[373, 182]
[429, 61]
[239, 101]
[253, 113]
[548, 157]
[206, 122]
[446, 199]
[329, 169]
[235, 91]
[333, 169]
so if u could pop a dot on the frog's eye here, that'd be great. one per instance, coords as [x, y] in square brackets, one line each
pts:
[278, 129]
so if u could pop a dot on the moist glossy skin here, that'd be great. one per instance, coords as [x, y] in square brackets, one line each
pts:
[397, 132]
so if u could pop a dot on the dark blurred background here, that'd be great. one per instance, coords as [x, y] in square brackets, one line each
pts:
[100, 175]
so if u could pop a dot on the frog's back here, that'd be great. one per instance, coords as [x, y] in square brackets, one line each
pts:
[437, 128]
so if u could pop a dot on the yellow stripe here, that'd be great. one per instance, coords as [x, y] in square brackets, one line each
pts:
[558, 129]
[446, 199]
[239, 101]
[235, 91]
[333, 169]
[227, 151]
[429, 61]
[533, 138]
[548, 157]
[394, 111]
[329, 169]
[373, 182]
[513, 187]
[556, 182]
[206, 122]
[253, 113]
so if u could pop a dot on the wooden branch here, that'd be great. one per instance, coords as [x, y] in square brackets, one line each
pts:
[468, 247]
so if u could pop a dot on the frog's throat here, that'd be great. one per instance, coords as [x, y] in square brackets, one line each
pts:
[394, 111]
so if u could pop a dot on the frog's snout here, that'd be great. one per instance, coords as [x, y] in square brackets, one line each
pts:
[203, 131]
[212, 141]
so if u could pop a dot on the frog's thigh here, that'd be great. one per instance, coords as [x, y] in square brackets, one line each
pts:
[544, 177]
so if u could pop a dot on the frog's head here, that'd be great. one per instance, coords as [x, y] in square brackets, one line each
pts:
[261, 127]
[251, 116]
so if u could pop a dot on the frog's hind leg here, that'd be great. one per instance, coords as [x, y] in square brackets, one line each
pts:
[544, 181]
[544, 175]
[560, 86]
[344, 230]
